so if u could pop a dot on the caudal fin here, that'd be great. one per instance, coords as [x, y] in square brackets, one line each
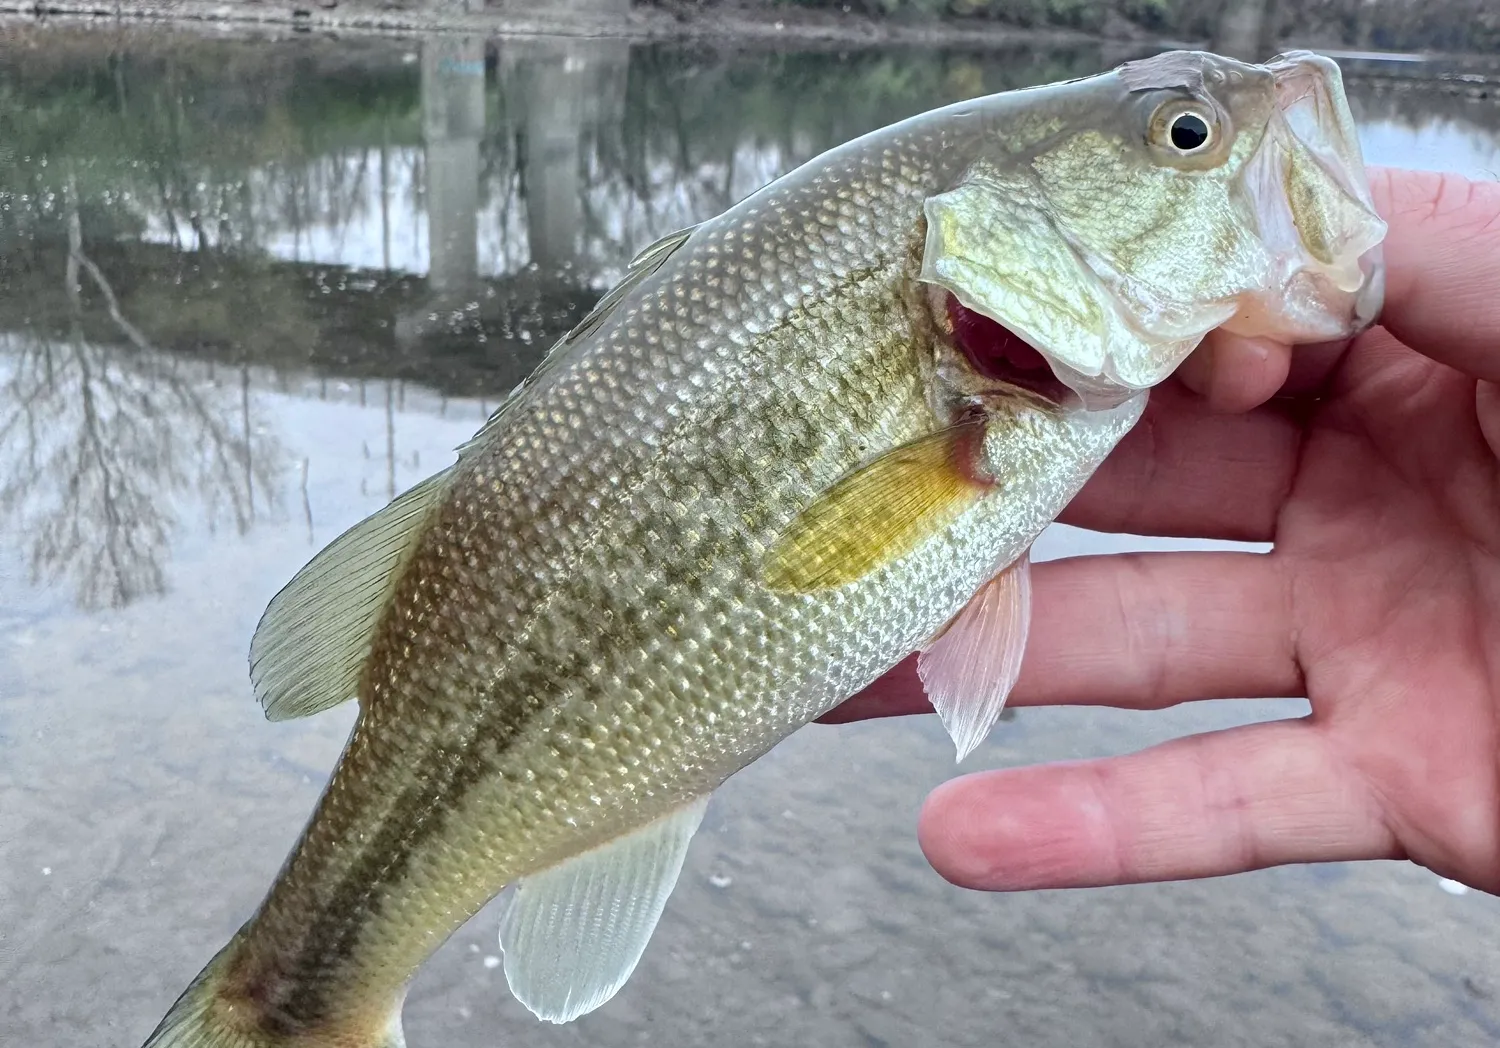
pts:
[202, 1018]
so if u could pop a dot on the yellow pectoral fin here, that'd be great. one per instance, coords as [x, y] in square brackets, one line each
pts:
[879, 512]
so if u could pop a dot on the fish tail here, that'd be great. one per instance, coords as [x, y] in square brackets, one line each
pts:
[203, 1017]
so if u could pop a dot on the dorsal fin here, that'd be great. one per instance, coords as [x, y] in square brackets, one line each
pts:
[642, 266]
[315, 635]
[650, 259]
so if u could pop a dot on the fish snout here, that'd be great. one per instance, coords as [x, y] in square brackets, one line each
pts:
[1307, 189]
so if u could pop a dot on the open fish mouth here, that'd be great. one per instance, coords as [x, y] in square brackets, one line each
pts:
[1307, 189]
[1000, 355]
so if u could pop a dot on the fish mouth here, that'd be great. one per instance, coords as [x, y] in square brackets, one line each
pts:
[1307, 190]
[1000, 355]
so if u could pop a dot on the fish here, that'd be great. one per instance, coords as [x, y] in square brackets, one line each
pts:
[794, 444]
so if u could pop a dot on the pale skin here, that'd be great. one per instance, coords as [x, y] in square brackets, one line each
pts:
[1374, 468]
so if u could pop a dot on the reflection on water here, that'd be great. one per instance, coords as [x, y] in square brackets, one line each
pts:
[100, 444]
[101, 439]
[250, 291]
[437, 212]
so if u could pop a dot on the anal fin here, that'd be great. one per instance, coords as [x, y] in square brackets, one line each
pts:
[970, 668]
[573, 934]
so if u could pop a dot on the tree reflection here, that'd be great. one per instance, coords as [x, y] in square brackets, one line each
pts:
[102, 443]
[435, 212]
[1247, 29]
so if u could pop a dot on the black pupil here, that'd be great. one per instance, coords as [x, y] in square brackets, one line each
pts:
[1189, 132]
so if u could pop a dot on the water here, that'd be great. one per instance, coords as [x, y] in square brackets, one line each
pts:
[312, 267]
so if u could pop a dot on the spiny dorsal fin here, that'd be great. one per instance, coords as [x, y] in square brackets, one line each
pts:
[315, 635]
[573, 934]
[642, 266]
[879, 512]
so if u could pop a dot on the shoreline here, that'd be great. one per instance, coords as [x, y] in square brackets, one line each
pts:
[683, 22]
[726, 28]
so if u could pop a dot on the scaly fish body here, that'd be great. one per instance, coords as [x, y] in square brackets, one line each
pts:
[644, 572]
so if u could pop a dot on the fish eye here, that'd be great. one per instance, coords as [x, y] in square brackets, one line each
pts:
[1189, 132]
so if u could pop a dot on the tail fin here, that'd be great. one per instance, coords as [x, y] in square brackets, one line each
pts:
[201, 1018]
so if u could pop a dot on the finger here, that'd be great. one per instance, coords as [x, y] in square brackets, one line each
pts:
[896, 693]
[1487, 410]
[1140, 631]
[1311, 366]
[1189, 471]
[1235, 373]
[1204, 806]
[1443, 266]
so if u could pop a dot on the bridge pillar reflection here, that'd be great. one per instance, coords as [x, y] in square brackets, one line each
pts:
[567, 91]
[452, 126]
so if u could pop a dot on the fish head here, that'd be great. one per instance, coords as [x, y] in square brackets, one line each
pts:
[1110, 223]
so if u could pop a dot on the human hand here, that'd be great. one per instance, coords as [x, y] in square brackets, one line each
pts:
[1374, 468]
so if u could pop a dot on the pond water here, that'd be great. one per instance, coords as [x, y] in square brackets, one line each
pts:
[251, 289]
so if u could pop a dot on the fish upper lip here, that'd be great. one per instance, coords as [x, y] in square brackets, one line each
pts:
[1301, 77]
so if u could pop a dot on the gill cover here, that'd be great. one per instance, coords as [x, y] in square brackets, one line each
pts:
[991, 242]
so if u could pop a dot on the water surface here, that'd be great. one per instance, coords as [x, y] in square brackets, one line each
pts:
[250, 290]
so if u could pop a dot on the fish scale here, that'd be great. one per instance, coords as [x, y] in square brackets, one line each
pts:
[612, 601]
